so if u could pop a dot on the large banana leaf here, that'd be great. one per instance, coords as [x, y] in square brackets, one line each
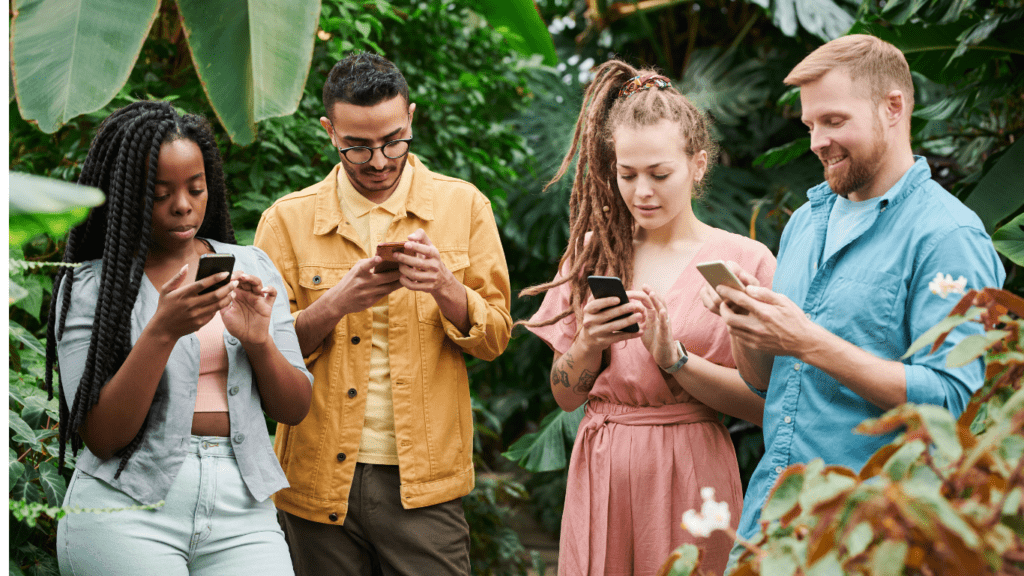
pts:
[520, 23]
[544, 450]
[252, 57]
[823, 18]
[70, 57]
[1001, 191]
[41, 205]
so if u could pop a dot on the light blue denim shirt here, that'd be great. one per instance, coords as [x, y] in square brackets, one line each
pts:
[151, 470]
[872, 292]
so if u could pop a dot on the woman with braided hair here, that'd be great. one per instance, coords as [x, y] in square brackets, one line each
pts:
[650, 439]
[166, 385]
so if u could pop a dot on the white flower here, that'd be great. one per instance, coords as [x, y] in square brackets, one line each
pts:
[713, 515]
[945, 285]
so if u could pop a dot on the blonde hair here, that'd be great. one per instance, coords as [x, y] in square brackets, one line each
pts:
[595, 205]
[865, 58]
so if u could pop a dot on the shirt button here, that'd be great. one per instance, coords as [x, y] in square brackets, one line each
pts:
[355, 339]
[239, 438]
[796, 366]
[333, 516]
[352, 392]
[232, 340]
[316, 279]
[787, 419]
[778, 469]
[809, 316]
[233, 390]
[341, 456]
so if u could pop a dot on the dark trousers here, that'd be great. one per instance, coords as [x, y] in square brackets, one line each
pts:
[379, 537]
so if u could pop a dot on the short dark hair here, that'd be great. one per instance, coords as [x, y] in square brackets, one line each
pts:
[363, 79]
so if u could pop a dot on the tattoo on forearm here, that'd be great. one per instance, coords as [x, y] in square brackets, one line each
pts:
[586, 382]
[569, 360]
[559, 376]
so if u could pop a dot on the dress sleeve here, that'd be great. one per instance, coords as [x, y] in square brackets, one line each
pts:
[560, 335]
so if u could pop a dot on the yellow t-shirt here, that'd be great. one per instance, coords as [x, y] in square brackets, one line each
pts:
[371, 222]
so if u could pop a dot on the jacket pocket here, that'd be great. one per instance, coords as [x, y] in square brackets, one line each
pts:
[315, 280]
[426, 308]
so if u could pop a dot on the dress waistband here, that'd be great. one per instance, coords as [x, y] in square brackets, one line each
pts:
[685, 413]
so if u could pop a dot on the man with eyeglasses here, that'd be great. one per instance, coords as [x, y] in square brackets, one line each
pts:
[378, 467]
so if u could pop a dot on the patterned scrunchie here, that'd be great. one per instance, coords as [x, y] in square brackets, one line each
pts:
[638, 83]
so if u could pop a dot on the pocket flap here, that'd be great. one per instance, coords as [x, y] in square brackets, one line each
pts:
[320, 277]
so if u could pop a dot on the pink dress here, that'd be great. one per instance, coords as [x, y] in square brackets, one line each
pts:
[645, 447]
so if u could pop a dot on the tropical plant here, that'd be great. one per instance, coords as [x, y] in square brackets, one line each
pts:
[945, 497]
[251, 64]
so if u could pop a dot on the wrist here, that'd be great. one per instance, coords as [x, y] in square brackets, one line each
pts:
[156, 332]
[681, 357]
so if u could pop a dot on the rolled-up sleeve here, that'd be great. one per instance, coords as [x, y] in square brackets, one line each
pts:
[966, 252]
[73, 345]
[281, 318]
[488, 294]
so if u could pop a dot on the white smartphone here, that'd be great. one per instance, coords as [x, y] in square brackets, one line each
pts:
[717, 273]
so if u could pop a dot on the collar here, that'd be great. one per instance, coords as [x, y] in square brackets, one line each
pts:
[823, 196]
[328, 215]
[355, 204]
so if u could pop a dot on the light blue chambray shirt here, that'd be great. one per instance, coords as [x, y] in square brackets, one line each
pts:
[872, 292]
[151, 470]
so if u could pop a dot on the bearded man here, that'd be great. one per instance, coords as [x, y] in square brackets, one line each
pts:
[856, 278]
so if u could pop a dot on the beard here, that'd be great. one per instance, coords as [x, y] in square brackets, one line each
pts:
[860, 172]
[358, 175]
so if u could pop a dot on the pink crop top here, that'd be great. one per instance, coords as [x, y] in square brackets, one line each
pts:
[212, 395]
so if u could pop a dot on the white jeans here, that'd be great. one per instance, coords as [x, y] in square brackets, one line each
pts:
[209, 525]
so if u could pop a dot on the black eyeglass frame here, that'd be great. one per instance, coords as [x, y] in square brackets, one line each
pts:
[344, 151]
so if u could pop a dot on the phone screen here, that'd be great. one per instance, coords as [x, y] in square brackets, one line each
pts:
[607, 286]
[210, 264]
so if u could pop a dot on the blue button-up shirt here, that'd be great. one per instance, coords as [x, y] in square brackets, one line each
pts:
[872, 292]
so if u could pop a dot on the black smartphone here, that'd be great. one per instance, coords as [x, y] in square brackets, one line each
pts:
[210, 264]
[608, 286]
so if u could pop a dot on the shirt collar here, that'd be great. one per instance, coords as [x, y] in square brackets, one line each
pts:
[328, 215]
[823, 196]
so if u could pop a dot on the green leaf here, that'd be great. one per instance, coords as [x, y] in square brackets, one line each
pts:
[44, 205]
[900, 463]
[827, 565]
[23, 433]
[15, 293]
[686, 563]
[785, 496]
[944, 109]
[14, 569]
[888, 558]
[858, 539]
[1009, 240]
[899, 11]
[71, 57]
[544, 450]
[520, 23]
[25, 337]
[25, 489]
[821, 488]
[823, 18]
[53, 483]
[782, 155]
[252, 57]
[945, 325]
[15, 469]
[1000, 192]
[973, 346]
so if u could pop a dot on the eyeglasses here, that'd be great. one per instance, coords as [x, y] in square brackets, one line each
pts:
[363, 154]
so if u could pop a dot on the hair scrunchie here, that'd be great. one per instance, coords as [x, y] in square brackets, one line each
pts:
[638, 83]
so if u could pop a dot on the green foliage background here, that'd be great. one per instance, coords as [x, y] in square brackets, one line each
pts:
[503, 120]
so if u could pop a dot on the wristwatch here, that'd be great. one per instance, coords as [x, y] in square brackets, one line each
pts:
[683, 357]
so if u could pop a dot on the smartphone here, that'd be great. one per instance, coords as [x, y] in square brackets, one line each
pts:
[387, 251]
[210, 264]
[608, 286]
[717, 273]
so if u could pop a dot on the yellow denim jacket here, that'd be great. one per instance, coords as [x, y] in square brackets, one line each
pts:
[308, 238]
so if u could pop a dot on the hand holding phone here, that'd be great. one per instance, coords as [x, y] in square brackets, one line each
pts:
[210, 264]
[608, 286]
[387, 251]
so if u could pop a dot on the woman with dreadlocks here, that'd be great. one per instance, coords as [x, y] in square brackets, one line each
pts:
[650, 440]
[165, 385]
